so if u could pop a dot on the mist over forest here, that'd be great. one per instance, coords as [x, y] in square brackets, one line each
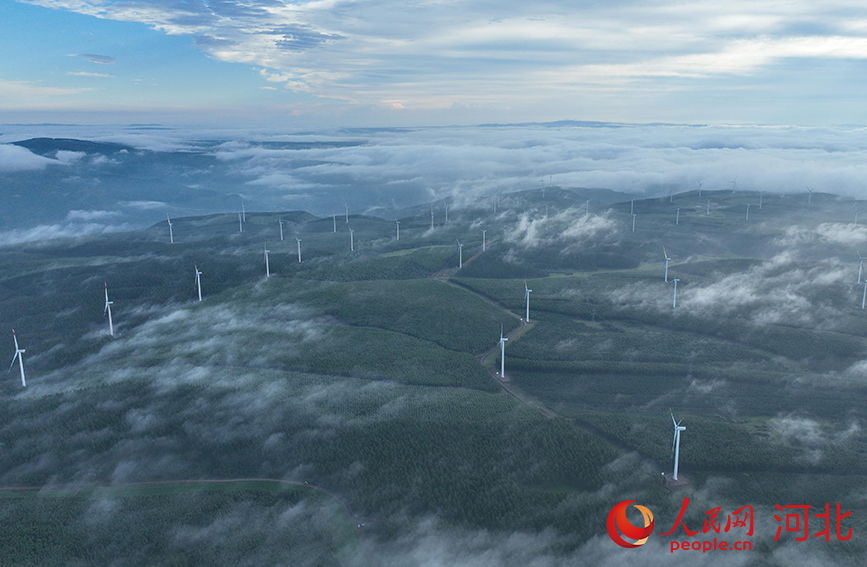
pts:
[348, 408]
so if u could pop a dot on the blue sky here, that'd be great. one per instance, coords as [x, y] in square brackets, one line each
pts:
[338, 62]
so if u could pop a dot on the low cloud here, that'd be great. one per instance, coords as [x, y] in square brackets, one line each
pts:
[568, 227]
[64, 230]
[16, 158]
[94, 58]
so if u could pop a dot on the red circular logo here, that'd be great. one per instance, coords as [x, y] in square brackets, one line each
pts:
[618, 524]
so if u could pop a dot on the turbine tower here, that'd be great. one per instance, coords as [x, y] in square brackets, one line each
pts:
[864, 298]
[460, 254]
[107, 310]
[809, 195]
[734, 185]
[267, 265]
[527, 292]
[860, 265]
[298, 240]
[19, 352]
[484, 240]
[346, 206]
[431, 219]
[632, 207]
[447, 213]
[334, 219]
[761, 195]
[240, 223]
[281, 229]
[677, 217]
[171, 234]
[707, 211]
[674, 297]
[748, 211]
[665, 255]
[633, 221]
[671, 195]
[198, 282]
[675, 443]
[243, 212]
[586, 209]
[502, 353]
[397, 222]
[700, 183]
[351, 240]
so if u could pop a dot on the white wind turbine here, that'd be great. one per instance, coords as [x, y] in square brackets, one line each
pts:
[19, 352]
[707, 211]
[198, 282]
[671, 195]
[633, 221]
[502, 353]
[700, 183]
[860, 265]
[527, 292]
[267, 265]
[240, 223]
[748, 211]
[677, 217]
[665, 255]
[809, 195]
[632, 207]
[107, 310]
[298, 240]
[460, 254]
[864, 298]
[761, 196]
[397, 222]
[447, 213]
[675, 443]
[334, 220]
[243, 212]
[431, 218]
[346, 206]
[734, 185]
[351, 240]
[281, 229]
[674, 297]
[586, 209]
[484, 240]
[171, 234]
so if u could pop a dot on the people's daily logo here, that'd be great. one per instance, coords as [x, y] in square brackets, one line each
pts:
[619, 524]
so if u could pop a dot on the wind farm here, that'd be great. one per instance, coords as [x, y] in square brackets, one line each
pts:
[607, 350]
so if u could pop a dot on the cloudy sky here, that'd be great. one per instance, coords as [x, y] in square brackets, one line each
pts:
[382, 62]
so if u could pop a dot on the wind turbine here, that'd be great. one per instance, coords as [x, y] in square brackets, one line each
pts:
[671, 195]
[707, 212]
[864, 298]
[171, 234]
[484, 240]
[860, 265]
[281, 230]
[447, 213]
[240, 223]
[809, 195]
[346, 206]
[460, 254]
[502, 353]
[527, 292]
[298, 240]
[677, 217]
[748, 211]
[675, 443]
[243, 212]
[431, 219]
[334, 219]
[856, 215]
[674, 297]
[633, 221]
[632, 207]
[18, 354]
[198, 282]
[734, 185]
[397, 222]
[351, 240]
[761, 195]
[107, 310]
[666, 263]
[700, 183]
[267, 265]
[586, 209]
